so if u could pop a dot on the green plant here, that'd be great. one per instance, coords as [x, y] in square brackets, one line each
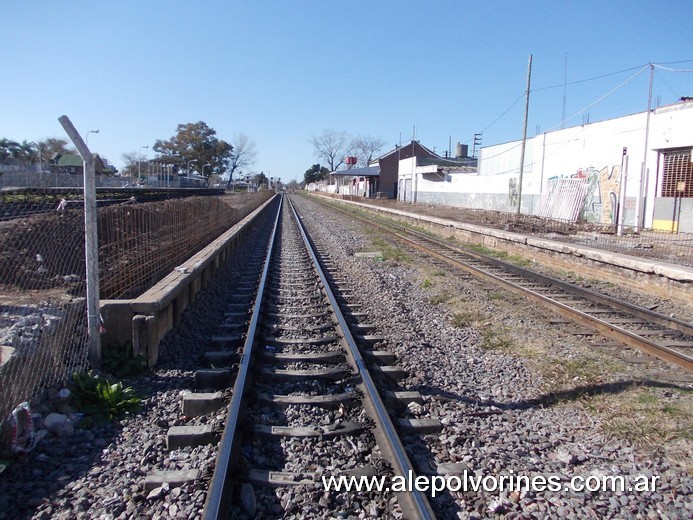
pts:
[496, 340]
[96, 396]
[440, 297]
[426, 284]
[121, 361]
[463, 319]
[389, 251]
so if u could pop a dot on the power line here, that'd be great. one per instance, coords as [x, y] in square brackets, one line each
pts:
[645, 67]
[670, 69]
[591, 79]
[603, 97]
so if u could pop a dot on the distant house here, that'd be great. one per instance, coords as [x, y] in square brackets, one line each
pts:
[434, 180]
[389, 165]
[74, 164]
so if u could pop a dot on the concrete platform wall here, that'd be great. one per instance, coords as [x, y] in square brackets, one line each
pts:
[144, 321]
[660, 278]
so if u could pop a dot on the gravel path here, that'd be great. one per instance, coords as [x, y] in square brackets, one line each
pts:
[516, 395]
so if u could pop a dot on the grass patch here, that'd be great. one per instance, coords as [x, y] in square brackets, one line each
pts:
[464, 319]
[427, 284]
[390, 252]
[443, 296]
[496, 340]
[658, 419]
[514, 259]
[561, 373]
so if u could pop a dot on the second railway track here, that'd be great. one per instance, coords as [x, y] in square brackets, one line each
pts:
[625, 324]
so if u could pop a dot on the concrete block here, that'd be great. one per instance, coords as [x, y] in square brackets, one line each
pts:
[173, 478]
[184, 436]
[197, 404]
[212, 378]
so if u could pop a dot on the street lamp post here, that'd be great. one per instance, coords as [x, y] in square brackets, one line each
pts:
[189, 162]
[139, 162]
[203, 168]
[87, 136]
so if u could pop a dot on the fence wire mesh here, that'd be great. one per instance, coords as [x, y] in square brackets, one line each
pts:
[141, 243]
[43, 329]
[43, 326]
[664, 246]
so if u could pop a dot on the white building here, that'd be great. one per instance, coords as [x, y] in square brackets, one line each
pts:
[589, 171]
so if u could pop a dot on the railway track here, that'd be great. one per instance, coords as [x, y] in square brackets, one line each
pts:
[624, 324]
[17, 203]
[305, 403]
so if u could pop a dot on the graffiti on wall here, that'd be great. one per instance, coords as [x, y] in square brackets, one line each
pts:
[601, 201]
[513, 193]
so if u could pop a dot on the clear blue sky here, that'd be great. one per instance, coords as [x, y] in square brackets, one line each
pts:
[282, 71]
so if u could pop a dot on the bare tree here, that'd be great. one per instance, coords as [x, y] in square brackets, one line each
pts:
[132, 163]
[332, 147]
[243, 155]
[365, 147]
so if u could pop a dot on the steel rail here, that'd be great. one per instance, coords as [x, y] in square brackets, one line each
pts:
[584, 318]
[414, 503]
[647, 314]
[218, 502]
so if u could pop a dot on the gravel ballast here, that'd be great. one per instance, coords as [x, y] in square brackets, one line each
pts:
[477, 355]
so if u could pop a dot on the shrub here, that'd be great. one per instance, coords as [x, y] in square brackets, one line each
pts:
[96, 396]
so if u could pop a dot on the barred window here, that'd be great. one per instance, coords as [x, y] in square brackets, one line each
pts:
[677, 179]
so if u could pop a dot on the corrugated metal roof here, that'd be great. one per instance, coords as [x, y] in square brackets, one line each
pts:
[370, 171]
[70, 160]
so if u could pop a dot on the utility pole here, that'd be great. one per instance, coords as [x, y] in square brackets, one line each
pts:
[565, 85]
[639, 214]
[91, 242]
[524, 137]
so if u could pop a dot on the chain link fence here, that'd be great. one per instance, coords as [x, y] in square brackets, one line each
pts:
[43, 325]
[664, 246]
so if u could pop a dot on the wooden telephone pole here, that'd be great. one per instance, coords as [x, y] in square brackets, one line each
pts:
[524, 137]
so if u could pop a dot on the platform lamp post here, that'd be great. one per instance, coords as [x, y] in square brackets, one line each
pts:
[139, 162]
[86, 137]
[189, 162]
[203, 169]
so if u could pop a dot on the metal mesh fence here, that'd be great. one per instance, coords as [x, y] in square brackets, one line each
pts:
[43, 331]
[664, 246]
[43, 326]
[141, 243]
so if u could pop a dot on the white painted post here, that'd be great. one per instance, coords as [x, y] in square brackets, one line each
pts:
[91, 242]
[622, 197]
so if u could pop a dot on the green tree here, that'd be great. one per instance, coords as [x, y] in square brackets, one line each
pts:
[315, 173]
[259, 179]
[25, 151]
[52, 146]
[195, 144]
[7, 148]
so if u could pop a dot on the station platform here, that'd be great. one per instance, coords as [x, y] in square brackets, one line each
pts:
[656, 276]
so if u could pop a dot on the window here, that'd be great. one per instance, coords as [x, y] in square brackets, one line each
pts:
[677, 178]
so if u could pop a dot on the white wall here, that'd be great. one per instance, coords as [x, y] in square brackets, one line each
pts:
[594, 151]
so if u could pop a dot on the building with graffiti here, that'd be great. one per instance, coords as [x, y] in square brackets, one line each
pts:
[634, 170]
